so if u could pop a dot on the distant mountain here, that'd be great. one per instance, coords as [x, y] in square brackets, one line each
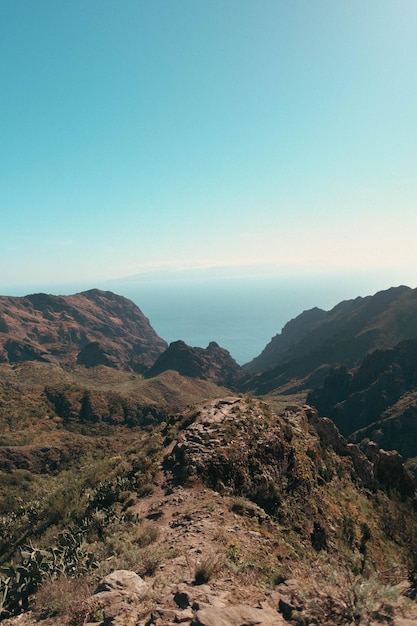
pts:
[89, 328]
[377, 401]
[212, 363]
[308, 347]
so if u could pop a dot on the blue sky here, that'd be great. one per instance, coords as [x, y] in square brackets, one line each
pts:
[266, 136]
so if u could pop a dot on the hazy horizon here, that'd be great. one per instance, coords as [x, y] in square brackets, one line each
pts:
[349, 284]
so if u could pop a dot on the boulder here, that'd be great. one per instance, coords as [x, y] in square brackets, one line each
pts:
[122, 581]
[117, 599]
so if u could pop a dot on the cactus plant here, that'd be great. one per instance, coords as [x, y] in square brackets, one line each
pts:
[19, 582]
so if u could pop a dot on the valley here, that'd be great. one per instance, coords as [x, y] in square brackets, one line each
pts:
[199, 491]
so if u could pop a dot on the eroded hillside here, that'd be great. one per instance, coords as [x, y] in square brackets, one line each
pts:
[309, 346]
[377, 401]
[90, 328]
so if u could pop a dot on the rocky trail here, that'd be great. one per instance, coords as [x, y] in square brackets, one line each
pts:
[217, 558]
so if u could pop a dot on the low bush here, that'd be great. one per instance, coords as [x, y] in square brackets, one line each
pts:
[204, 570]
[65, 598]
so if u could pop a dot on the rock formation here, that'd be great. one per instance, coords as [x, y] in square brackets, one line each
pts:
[212, 363]
[376, 401]
[302, 355]
[92, 328]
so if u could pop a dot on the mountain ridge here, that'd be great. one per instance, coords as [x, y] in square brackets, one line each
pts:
[91, 328]
[308, 346]
[221, 515]
[377, 401]
[212, 363]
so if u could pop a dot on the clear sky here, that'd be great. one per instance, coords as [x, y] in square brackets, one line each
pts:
[168, 134]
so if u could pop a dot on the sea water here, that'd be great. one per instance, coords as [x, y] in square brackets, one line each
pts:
[240, 315]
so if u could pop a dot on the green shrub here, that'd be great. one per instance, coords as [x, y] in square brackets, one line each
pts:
[149, 560]
[233, 553]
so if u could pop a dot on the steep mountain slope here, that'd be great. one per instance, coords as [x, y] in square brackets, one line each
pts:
[395, 430]
[302, 355]
[90, 328]
[378, 400]
[228, 514]
[212, 363]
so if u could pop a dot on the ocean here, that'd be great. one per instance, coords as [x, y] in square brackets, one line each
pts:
[240, 315]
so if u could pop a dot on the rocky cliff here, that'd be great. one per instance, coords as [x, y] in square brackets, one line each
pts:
[90, 328]
[302, 355]
[377, 400]
[212, 363]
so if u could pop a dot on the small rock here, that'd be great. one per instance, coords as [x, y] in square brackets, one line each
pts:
[238, 615]
[184, 616]
[162, 616]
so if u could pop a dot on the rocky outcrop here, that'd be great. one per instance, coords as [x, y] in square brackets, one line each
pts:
[117, 599]
[92, 328]
[374, 466]
[330, 436]
[212, 363]
[247, 461]
[202, 606]
[376, 401]
[389, 470]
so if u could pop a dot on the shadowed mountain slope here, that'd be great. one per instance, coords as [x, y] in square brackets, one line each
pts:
[377, 401]
[90, 328]
[212, 363]
[310, 345]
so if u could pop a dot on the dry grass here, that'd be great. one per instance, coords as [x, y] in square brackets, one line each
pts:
[65, 598]
[205, 570]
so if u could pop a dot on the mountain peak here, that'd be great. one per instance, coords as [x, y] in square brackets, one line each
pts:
[212, 363]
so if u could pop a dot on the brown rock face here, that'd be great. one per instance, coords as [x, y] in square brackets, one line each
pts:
[377, 401]
[384, 467]
[301, 356]
[237, 616]
[212, 363]
[90, 328]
